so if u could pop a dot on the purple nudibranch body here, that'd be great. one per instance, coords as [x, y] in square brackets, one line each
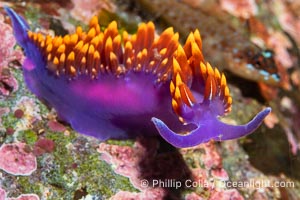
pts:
[111, 85]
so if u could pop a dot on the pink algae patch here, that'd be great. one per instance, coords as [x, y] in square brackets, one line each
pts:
[2, 194]
[56, 126]
[126, 161]
[155, 193]
[21, 197]
[193, 196]
[16, 160]
[26, 197]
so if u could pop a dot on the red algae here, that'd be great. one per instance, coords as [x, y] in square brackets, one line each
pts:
[19, 113]
[42, 146]
[16, 160]
[56, 126]
[10, 131]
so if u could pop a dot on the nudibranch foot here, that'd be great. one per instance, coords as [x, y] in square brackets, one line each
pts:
[209, 130]
[110, 85]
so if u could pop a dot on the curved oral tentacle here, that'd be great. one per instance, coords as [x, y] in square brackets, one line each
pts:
[212, 129]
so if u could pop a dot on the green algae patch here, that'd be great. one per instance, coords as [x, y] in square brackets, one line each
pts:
[9, 120]
[125, 21]
[75, 165]
[99, 179]
[129, 143]
[29, 136]
[29, 185]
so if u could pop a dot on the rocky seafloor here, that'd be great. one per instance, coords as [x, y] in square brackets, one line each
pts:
[43, 158]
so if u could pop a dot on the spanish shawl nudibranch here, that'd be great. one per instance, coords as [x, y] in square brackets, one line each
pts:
[109, 85]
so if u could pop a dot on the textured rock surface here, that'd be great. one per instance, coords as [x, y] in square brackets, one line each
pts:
[71, 166]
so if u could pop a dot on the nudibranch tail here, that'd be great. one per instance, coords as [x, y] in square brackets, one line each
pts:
[209, 130]
[20, 26]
